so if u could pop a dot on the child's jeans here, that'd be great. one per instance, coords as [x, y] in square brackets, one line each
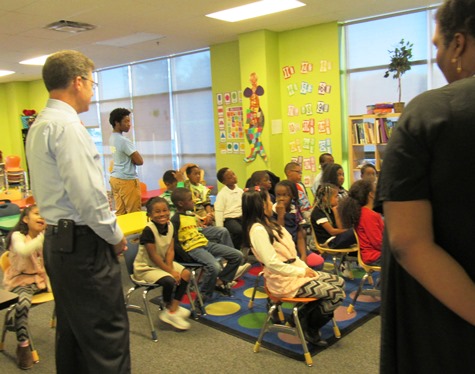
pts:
[207, 256]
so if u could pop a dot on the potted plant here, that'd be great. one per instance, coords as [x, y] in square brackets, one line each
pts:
[399, 64]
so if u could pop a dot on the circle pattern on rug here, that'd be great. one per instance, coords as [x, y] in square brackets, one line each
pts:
[252, 320]
[255, 270]
[239, 283]
[288, 338]
[341, 314]
[222, 308]
[259, 294]
[365, 298]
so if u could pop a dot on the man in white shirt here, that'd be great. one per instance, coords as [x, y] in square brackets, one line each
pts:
[124, 179]
[82, 239]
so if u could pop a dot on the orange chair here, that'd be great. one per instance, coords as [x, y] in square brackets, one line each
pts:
[15, 174]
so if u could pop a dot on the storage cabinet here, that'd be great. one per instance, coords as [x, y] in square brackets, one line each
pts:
[368, 135]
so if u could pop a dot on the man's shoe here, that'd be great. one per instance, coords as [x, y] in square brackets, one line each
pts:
[24, 358]
[174, 319]
[315, 339]
[243, 269]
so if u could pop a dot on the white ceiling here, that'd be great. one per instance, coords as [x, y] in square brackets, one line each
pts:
[182, 23]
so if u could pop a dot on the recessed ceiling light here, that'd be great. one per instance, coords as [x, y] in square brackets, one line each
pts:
[40, 61]
[257, 9]
[6, 72]
[70, 26]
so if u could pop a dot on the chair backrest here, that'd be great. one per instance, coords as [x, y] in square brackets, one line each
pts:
[131, 252]
[9, 209]
[12, 162]
[143, 187]
[4, 261]
[324, 250]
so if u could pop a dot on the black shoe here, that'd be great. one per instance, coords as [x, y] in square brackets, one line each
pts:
[315, 339]
[223, 289]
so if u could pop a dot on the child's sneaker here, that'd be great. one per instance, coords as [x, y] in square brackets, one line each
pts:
[174, 319]
[243, 269]
[223, 289]
[183, 312]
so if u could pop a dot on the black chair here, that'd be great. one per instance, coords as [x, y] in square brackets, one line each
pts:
[129, 256]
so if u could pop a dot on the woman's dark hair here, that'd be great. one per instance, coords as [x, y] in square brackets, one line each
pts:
[350, 207]
[152, 201]
[253, 202]
[20, 226]
[455, 16]
[292, 188]
[329, 174]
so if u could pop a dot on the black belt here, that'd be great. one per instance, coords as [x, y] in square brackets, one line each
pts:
[290, 261]
[78, 230]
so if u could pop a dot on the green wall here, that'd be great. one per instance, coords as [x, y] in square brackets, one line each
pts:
[267, 54]
[14, 98]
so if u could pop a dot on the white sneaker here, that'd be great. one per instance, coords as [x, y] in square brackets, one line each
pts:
[183, 312]
[243, 269]
[174, 319]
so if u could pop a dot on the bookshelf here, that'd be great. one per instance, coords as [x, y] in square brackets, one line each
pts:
[368, 135]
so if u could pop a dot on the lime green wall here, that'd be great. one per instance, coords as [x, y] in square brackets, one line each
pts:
[266, 53]
[14, 98]
[316, 47]
[226, 78]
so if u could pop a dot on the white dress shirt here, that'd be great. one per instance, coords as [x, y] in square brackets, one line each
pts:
[66, 172]
[228, 204]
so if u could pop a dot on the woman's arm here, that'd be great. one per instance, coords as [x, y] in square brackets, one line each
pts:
[23, 248]
[301, 244]
[411, 240]
[338, 223]
[331, 230]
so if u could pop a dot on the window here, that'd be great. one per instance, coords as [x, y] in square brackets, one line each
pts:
[172, 113]
[367, 45]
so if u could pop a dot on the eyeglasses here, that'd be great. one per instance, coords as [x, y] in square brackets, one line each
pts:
[94, 84]
[297, 171]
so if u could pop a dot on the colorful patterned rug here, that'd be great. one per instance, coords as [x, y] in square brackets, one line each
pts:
[233, 316]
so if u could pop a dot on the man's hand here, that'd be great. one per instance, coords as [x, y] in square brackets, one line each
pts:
[120, 246]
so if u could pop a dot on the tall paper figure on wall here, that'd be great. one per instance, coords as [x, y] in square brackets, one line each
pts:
[255, 120]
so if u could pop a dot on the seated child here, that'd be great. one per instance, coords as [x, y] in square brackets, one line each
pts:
[262, 179]
[202, 203]
[154, 263]
[228, 212]
[326, 221]
[334, 174]
[26, 275]
[286, 211]
[293, 172]
[369, 172]
[357, 211]
[172, 179]
[285, 274]
[200, 250]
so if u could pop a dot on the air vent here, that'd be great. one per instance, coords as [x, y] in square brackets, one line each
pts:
[70, 26]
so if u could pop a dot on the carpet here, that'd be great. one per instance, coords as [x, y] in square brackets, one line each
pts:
[233, 316]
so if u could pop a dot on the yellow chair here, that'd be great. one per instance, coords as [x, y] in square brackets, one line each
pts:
[296, 330]
[369, 270]
[9, 322]
[132, 223]
[338, 255]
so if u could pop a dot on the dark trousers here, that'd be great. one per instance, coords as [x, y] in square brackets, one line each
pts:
[234, 227]
[92, 334]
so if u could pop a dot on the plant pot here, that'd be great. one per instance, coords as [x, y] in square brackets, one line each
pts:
[398, 107]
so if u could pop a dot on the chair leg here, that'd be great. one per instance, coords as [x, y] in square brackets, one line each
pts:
[198, 292]
[336, 329]
[34, 352]
[8, 315]
[351, 307]
[300, 334]
[264, 328]
[250, 305]
[53, 318]
[149, 317]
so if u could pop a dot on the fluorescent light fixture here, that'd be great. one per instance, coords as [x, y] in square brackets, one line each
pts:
[257, 9]
[6, 72]
[40, 61]
[136, 38]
